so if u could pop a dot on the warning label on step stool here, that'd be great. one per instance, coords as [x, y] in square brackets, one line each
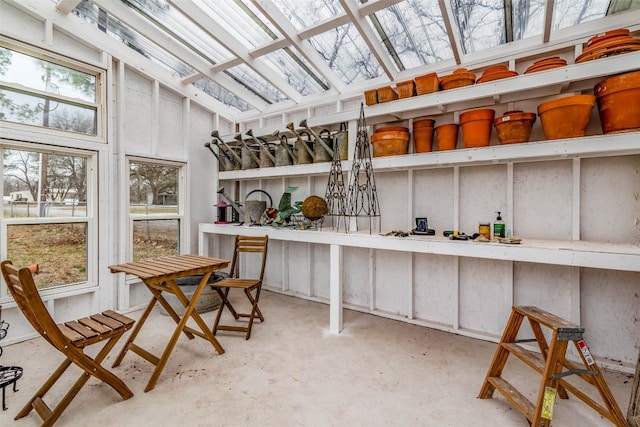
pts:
[548, 402]
[585, 352]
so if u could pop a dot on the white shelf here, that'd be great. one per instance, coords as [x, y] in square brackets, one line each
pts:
[611, 256]
[592, 146]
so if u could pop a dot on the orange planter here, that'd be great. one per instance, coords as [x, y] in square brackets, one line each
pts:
[423, 139]
[476, 127]
[566, 117]
[459, 78]
[619, 102]
[514, 127]
[406, 89]
[390, 143]
[423, 123]
[447, 136]
[427, 83]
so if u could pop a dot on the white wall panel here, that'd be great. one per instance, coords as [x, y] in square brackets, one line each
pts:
[483, 191]
[433, 198]
[356, 277]
[393, 196]
[546, 286]
[70, 46]
[434, 288]
[16, 22]
[171, 125]
[137, 120]
[392, 282]
[321, 270]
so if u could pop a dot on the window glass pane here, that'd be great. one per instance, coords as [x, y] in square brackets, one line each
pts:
[296, 71]
[415, 31]
[528, 18]
[59, 250]
[29, 109]
[481, 24]
[25, 70]
[222, 94]
[305, 13]
[154, 238]
[256, 84]
[567, 13]
[61, 191]
[153, 189]
[345, 51]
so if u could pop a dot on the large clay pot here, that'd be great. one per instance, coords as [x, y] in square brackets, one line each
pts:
[496, 72]
[389, 143]
[476, 127]
[619, 102]
[423, 135]
[514, 127]
[459, 78]
[566, 117]
[447, 136]
[427, 83]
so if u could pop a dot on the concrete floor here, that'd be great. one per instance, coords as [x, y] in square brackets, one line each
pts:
[292, 372]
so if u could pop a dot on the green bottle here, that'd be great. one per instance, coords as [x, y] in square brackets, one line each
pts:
[498, 227]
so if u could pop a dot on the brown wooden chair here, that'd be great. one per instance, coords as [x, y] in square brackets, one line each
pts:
[70, 338]
[251, 286]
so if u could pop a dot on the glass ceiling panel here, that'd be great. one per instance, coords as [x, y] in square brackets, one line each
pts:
[528, 18]
[567, 13]
[294, 69]
[221, 94]
[176, 24]
[346, 53]
[305, 13]
[90, 12]
[415, 29]
[246, 23]
[481, 24]
[256, 84]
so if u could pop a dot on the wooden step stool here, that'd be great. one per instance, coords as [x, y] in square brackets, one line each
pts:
[550, 364]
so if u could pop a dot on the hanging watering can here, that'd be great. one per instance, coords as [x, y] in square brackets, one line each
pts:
[303, 149]
[323, 146]
[284, 153]
[229, 151]
[253, 209]
[341, 142]
[267, 159]
[248, 154]
[225, 161]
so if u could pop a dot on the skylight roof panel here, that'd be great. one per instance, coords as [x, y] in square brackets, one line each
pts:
[568, 13]
[221, 94]
[256, 84]
[528, 18]
[305, 13]
[175, 23]
[347, 54]
[296, 71]
[481, 24]
[416, 31]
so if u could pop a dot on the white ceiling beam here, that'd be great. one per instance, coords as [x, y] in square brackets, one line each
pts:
[125, 15]
[369, 37]
[213, 28]
[66, 6]
[452, 30]
[548, 20]
[284, 25]
[269, 48]
[324, 26]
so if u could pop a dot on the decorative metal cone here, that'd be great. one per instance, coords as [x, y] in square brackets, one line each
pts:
[362, 197]
[335, 195]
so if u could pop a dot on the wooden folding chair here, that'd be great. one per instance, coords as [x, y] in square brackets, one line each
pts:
[70, 338]
[250, 286]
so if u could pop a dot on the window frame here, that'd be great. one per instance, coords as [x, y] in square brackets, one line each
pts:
[90, 220]
[181, 201]
[47, 132]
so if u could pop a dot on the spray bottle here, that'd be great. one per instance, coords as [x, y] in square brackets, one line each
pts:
[498, 227]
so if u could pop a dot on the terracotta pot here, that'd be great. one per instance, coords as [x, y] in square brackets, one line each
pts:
[611, 43]
[386, 94]
[406, 89]
[423, 139]
[390, 143]
[599, 38]
[619, 102]
[392, 129]
[459, 78]
[427, 83]
[566, 117]
[371, 97]
[496, 72]
[423, 123]
[514, 127]
[447, 136]
[476, 127]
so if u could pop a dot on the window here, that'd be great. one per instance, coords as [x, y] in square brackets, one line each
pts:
[53, 95]
[155, 208]
[47, 213]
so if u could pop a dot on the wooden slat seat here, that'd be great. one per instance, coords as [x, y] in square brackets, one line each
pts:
[70, 338]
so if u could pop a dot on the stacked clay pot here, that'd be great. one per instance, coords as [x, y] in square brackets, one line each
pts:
[427, 83]
[611, 43]
[423, 135]
[618, 101]
[476, 127]
[390, 141]
[459, 78]
[496, 72]
[447, 136]
[514, 126]
[546, 64]
[566, 117]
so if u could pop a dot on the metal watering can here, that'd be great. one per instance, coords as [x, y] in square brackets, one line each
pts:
[225, 161]
[284, 154]
[229, 151]
[304, 149]
[266, 159]
[341, 142]
[252, 210]
[323, 147]
[249, 158]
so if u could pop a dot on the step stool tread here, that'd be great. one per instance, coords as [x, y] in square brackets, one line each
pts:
[517, 399]
[544, 317]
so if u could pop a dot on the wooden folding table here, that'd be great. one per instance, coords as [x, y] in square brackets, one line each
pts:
[159, 275]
